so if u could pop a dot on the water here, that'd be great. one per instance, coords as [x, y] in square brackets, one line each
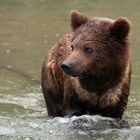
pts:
[28, 29]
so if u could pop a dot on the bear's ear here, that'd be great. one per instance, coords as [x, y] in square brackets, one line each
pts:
[77, 19]
[120, 28]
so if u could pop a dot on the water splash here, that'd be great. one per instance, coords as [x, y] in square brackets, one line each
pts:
[89, 127]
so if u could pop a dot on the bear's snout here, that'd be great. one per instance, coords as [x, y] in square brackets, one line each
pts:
[66, 66]
[68, 69]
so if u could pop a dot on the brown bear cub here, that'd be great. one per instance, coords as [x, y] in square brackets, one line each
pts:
[88, 71]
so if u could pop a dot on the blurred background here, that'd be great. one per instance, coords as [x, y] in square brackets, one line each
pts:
[28, 29]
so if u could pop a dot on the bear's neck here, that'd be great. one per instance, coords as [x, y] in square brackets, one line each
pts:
[100, 83]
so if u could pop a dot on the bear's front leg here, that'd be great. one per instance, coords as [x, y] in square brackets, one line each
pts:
[73, 106]
[52, 91]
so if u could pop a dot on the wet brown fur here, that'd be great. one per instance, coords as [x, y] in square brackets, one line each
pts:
[102, 80]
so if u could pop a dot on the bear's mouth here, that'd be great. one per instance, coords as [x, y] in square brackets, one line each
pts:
[71, 73]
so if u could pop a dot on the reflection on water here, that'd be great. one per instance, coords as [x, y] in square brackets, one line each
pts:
[28, 28]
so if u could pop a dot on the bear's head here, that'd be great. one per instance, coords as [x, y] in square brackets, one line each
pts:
[99, 45]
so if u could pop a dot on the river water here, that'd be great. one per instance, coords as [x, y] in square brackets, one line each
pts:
[28, 29]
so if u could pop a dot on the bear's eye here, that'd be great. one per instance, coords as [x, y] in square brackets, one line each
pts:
[72, 47]
[87, 50]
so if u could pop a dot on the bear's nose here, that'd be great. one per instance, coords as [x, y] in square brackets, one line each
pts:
[66, 67]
